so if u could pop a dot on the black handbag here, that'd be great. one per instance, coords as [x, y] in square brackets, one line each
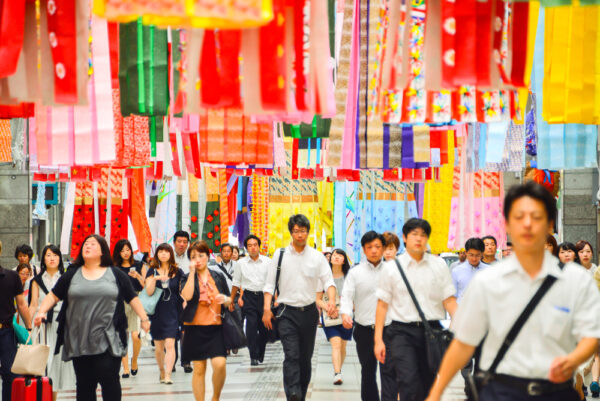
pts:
[273, 334]
[437, 340]
[233, 331]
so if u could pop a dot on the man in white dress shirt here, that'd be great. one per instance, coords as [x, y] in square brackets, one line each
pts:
[250, 275]
[562, 331]
[358, 300]
[402, 343]
[302, 270]
[181, 241]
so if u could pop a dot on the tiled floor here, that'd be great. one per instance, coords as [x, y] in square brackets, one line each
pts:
[255, 383]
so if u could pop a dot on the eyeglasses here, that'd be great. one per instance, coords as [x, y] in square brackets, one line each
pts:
[300, 232]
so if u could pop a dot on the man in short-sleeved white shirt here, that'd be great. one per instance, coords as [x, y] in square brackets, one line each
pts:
[561, 332]
[250, 276]
[402, 343]
[304, 272]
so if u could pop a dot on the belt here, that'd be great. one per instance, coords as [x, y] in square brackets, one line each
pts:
[533, 387]
[371, 326]
[302, 308]
[6, 325]
[432, 323]
[253, 292]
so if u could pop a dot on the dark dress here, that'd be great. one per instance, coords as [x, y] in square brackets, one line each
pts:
[165, 321]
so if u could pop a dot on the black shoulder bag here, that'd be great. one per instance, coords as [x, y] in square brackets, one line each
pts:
[481, 378]
[436, 340]
[273, 335]
[224, 270]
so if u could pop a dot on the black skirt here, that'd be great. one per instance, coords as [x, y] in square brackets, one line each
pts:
[203, 342]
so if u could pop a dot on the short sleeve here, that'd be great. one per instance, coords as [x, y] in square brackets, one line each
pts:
[125, 287]
[237, 276]
[150, 272]
[347, 298]
[586, 318]
[271, 274]
[385, 285]
[17, 286]
[325, 275]
[471, 323]
[62, 286]
[446, 284]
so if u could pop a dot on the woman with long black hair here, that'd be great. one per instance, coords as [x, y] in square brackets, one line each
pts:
[337, 335]
[51, 269]
[165, 274]
[123, 259]
[92, 326]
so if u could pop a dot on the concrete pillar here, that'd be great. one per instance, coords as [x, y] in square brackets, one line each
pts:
[15, 206]
[580, 213]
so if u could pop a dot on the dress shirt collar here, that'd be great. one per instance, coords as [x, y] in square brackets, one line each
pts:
[182, 255]
[372, 266]
[258, 260]
[408, 260]
[549, 266]
[293, 250]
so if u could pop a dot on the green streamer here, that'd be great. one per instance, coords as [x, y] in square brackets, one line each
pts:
[140, 66]
[151, 73]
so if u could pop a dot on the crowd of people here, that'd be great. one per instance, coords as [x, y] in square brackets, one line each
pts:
[525, 325]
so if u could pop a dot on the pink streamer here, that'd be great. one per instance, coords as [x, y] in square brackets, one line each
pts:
[58, 135]
[103, 131]
[348, 141]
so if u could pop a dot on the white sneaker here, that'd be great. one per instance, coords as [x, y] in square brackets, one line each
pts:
[337, 379]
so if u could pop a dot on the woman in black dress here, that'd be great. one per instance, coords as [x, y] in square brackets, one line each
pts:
[123, 259]
[165, 274]
[206, 293]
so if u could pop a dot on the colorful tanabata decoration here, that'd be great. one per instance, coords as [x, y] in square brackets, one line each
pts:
[5, 142]
[259, 207]
[182, 13]
[438, 198]
[476, 206]
[559, 146]
[571, 90]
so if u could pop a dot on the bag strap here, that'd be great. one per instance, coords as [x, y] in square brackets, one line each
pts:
[224, 270]
[522, 319]
[413, 297]
[276, 291]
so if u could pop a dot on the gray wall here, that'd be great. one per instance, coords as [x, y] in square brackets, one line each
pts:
[580, 214]
[14, 212]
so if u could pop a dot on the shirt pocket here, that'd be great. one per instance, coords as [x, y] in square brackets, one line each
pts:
[556, 321]
[310, 270]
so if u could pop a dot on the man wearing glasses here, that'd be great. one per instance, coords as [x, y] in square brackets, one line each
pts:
[302, 270]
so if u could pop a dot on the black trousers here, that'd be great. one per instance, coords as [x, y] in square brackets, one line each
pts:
[495, 391]
[364, 337]
[91, 370]
[256, 333]
[8, 350]
[406, 371]
[298, 330]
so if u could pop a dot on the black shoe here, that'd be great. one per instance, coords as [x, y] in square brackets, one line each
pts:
[174, 369]
[134, 372]
[253, 362]
[295, 397]
[125, 376]
[595, 394]
[187, 369]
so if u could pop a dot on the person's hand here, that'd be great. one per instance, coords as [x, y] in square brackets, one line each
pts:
[135, 275]
[231, 307]
[220, 299]
[240, 302]
[561, 369]
[331, 310]
[379, 350]
[39, 319]
[146, 325]
[267, 319]
[346, 321]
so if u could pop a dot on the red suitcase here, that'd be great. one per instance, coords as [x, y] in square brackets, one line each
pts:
[32, 389]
